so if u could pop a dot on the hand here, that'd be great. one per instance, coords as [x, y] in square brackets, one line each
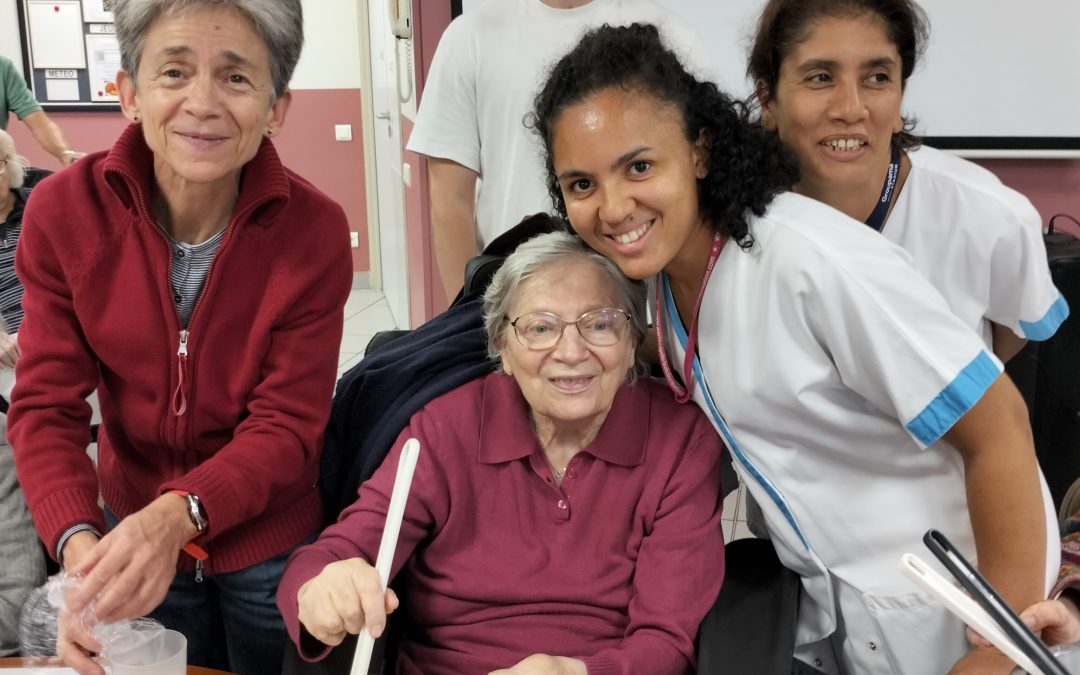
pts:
[128, 572]
[68, 157]
[74, 644]
[983, 661]
[1056, 621]
[9, 349]
[543, 664]
[342, 599]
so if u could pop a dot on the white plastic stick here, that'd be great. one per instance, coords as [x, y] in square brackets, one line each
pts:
[406, 465]
[958, 602]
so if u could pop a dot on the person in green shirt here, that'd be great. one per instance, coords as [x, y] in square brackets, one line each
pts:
[16, 97]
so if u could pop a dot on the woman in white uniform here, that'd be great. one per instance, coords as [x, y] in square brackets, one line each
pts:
[830, 77]
[859, 409]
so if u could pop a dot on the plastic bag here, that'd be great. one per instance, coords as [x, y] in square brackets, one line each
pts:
[37, 624]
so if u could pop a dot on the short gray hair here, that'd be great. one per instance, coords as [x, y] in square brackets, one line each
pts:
[547, 249]
[16, 166]
[280, 24]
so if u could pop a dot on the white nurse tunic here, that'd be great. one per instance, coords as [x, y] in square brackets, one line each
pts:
[832, 369]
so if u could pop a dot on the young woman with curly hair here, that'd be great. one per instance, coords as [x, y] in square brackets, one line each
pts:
[858, 409]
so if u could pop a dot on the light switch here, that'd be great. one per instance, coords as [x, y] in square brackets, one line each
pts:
[406, 174]
[343, 132]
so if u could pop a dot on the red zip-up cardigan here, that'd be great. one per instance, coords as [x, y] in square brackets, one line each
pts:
[239, 419]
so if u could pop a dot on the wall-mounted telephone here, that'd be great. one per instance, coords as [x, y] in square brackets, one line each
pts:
[401, 18]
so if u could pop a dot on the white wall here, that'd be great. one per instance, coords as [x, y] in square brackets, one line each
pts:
[993, 67]
[330, 60]
[9, 33]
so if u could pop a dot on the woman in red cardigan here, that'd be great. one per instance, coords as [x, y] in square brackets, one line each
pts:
[198, 285]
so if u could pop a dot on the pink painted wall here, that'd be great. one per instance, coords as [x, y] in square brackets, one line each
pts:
[306, 146]
[1052, 185]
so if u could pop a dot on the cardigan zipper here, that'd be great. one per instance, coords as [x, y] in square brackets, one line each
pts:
[179, 399]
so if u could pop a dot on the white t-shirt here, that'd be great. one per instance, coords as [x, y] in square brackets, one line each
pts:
[834, 369]
[489, 65]
[979, 243]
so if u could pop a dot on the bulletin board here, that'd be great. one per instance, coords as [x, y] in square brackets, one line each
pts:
[70, 53]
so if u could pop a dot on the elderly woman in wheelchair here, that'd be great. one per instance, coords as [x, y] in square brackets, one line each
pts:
[564, 515]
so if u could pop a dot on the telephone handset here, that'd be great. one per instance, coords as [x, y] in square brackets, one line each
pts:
[401, 18]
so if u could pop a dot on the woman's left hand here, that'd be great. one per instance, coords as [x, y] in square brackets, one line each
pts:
[543, 664]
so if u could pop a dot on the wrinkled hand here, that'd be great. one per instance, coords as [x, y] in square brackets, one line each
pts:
[342, 599]
[74, 644]
[9, 349]
[543, 664]
[127, 573]
[983, 661]
[1056, 621]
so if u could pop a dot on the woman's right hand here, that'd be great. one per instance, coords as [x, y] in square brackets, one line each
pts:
[9, 350]
[344, 598]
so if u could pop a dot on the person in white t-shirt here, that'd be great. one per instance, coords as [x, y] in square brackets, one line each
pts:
[859, 409]
[830, 78]
[489, 64]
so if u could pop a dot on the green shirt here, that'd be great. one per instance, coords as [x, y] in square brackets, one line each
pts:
[15, 96]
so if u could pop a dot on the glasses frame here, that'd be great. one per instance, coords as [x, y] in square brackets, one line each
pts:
[562, 327]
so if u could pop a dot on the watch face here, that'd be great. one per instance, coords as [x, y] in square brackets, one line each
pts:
[198, 515]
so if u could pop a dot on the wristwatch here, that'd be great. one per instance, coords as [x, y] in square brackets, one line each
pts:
[195, 509]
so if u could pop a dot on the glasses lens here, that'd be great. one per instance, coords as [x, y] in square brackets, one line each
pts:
[538, 330]
[602, 327]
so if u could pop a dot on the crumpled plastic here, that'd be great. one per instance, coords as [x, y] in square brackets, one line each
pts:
[37, 623]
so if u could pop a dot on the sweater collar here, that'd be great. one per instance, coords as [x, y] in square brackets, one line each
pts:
[129, 171]
[506, 420]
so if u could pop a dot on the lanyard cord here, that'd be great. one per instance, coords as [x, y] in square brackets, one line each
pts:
[877, 216]
[682, 393]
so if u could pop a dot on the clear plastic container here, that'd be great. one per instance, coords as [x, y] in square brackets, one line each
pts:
[163, 652]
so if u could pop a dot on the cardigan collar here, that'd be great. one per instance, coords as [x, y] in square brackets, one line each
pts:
[129, 170]
[506, 433]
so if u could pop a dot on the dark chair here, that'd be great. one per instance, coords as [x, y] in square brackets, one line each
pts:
[751, 627]
[34, 175]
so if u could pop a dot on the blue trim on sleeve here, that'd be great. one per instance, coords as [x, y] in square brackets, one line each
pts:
[1048, 325]
[954, 400]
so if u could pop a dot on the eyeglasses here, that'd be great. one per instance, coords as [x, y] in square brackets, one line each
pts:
[542, 330]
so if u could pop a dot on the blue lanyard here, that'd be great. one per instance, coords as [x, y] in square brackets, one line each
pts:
[877, 216]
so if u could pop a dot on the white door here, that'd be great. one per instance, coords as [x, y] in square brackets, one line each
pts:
[389, 264]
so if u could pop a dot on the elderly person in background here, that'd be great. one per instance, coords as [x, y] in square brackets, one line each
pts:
[12, 202]
[198, 284]
[24, 564]
[563, 517]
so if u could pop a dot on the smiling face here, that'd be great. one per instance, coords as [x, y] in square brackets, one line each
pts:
[572, 384]
[629, 179]
[837, 105]
[204, 95]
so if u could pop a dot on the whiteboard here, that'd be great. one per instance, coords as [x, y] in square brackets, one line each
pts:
[56, 33]
[998, 75]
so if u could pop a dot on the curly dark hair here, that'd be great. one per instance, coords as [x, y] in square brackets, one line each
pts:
[747, 166]
[785, 23]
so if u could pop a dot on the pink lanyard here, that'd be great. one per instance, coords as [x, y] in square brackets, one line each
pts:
[682, 393]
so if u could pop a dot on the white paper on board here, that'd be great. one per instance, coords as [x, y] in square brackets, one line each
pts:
[61, 90]
[103, 56]
[56, 33]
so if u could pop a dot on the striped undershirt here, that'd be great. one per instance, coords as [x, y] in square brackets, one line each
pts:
[190, 264]
[11, 291]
